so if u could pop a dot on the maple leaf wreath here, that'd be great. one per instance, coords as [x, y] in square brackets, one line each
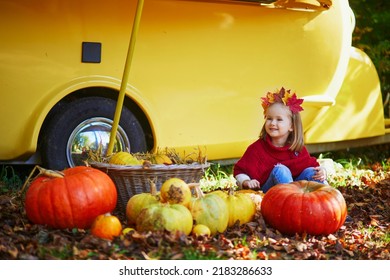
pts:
[283, 96]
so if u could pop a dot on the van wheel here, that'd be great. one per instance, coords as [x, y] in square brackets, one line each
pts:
[84, 125]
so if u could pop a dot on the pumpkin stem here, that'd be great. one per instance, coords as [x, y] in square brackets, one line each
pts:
[230, 190]
[153, 188]
[42, 171]
[28, 180]
[193, 185]
[50, 173]
[198, 190]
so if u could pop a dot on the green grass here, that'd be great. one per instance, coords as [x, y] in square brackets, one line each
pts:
[63, 253]
[218, 177]
[194, 254]
[10, 181]
[386, 238]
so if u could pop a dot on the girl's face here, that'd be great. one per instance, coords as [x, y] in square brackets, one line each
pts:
[278, 123]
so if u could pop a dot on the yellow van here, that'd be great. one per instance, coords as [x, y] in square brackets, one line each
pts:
[197, 74]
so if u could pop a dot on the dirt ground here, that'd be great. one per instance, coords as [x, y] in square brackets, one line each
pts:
[366, 236]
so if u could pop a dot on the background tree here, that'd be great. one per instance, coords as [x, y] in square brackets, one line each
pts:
[371, 35]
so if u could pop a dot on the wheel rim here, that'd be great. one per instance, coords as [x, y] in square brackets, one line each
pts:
[91, 135]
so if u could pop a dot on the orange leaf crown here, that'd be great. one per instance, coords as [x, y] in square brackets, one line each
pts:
[285, 97]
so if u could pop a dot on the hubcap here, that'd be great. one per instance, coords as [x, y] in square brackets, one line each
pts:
[93, 135]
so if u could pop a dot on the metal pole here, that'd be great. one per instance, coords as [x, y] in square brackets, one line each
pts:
[125, 78]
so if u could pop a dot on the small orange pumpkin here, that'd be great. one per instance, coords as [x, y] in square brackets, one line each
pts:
[106, 226]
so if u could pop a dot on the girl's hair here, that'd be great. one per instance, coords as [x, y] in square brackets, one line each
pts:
[295, 139]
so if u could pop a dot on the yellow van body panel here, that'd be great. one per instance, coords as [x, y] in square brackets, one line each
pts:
[353, 115]
[198, 70]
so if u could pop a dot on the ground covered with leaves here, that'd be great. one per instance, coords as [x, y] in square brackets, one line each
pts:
[366, 236]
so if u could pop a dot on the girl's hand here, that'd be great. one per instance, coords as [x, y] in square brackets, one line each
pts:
[320, 174]
[251, 184]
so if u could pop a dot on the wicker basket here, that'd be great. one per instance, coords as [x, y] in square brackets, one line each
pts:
[131, 180]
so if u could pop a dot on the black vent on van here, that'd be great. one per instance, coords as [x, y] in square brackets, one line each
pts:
[91, 52]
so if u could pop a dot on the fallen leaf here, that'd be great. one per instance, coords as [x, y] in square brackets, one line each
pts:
[300, 246]
[332, 237]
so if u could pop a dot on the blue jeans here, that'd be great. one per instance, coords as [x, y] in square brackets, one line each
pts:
[281, 174]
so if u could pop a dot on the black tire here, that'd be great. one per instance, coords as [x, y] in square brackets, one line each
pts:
[54, 145]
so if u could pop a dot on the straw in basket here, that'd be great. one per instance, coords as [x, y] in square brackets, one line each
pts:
[131, 180]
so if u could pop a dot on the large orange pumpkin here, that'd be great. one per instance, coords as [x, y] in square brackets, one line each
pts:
[73, 201]
[304, 206]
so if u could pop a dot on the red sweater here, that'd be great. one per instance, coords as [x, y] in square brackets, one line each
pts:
[260, 158]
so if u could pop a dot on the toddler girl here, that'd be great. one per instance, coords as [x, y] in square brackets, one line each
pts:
[279, 155]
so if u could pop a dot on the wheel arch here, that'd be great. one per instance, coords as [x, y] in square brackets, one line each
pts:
[130, 102]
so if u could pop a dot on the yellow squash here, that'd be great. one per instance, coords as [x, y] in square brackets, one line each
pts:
[241, 207]
[210, 210]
